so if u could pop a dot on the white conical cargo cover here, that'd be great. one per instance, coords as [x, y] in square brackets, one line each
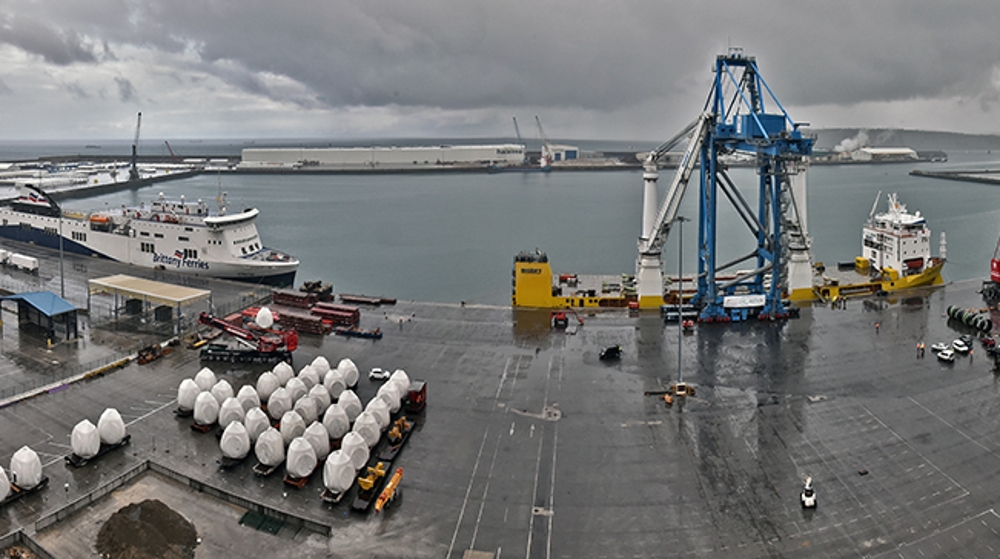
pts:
[336, 422]
[319, 439]
[270, 447]
[301, 459]
[367, 426]
[4, 484]
[400, 377]
[334, 383]
[351, 404]
[338, 472]
[85, 440]
[308, 376]
[267, 383]
[222, 390]
[350, 371]
[390, 392]
[186, 393]
[256, 422]
[279, 402]
[296, 388]
[308, 408]
[111, 427]
[25, 468]
[321, 366]
[206, 409]
[205, 379]
[235, 441]
[230, 411]
[292, 426]
[284, 372]
[355, 447]
[378, 408]
[264, 318]
[247, 397]
[322, 396]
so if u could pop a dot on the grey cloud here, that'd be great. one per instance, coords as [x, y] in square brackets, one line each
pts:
[58, 46]
[126, 91]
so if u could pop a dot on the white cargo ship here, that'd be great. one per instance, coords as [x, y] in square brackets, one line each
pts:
[184, 237]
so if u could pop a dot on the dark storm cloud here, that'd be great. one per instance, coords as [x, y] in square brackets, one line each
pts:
[58, 46]
[126, 91]
[595, 55]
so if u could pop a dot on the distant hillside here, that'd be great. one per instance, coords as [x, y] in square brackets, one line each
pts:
[851, 138]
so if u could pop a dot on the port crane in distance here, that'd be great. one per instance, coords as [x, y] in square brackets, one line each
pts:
[133, 170]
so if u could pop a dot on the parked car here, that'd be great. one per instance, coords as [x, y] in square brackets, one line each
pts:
[378, 373]
[612, 352]
[946, 355]
[960, 346]
[967, 339]
[988, 341]
[940, 346]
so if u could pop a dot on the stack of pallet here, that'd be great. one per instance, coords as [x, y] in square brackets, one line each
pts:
[339, 315]
[292, 298]
[301, 320]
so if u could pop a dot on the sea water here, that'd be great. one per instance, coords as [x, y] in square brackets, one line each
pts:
[451, 237]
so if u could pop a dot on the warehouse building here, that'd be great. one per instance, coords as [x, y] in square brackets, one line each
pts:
[381, 157]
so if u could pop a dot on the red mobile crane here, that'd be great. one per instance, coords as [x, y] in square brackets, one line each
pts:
[261, 345]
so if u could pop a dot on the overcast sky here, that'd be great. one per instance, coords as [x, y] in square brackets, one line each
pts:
[591, 69]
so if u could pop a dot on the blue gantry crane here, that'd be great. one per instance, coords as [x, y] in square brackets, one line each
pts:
[741, 119]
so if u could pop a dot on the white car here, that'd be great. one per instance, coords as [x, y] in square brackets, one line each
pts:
[808, 495]
[940, 346]
[960, 346]
[378, 374]
[946, 355]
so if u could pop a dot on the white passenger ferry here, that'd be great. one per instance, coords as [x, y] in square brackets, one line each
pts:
[184, 237]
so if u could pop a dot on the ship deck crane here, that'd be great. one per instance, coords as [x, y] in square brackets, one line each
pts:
[729, 124]
[133, 170]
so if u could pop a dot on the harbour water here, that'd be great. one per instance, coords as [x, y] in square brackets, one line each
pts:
[452, 237]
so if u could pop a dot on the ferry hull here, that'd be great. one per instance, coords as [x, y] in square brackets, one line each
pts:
[155, 245]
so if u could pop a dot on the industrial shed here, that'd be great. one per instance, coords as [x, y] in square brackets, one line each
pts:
[381, 157]
[48, 311]
[137, 296]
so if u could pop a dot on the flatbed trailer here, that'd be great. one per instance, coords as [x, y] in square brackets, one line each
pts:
[78, 462]
[16, 491]
[226, 354]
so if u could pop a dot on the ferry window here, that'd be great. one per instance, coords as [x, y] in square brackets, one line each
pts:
[147, 247]
[191, 253]
[185, 239]
[144, 233]
[158, 235]
[189, 229]
[244, 249]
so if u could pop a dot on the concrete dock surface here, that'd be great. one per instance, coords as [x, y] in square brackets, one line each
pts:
[530, 446]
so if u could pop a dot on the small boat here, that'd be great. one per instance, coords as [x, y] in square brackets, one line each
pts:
[355, 332]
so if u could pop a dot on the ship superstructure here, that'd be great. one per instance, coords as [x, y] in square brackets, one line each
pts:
[181, 236]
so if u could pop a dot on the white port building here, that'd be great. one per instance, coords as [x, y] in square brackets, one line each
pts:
[884, 154]
[415, 157]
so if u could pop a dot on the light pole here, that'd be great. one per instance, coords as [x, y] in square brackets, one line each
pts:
[62, 276]
[680, 293]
